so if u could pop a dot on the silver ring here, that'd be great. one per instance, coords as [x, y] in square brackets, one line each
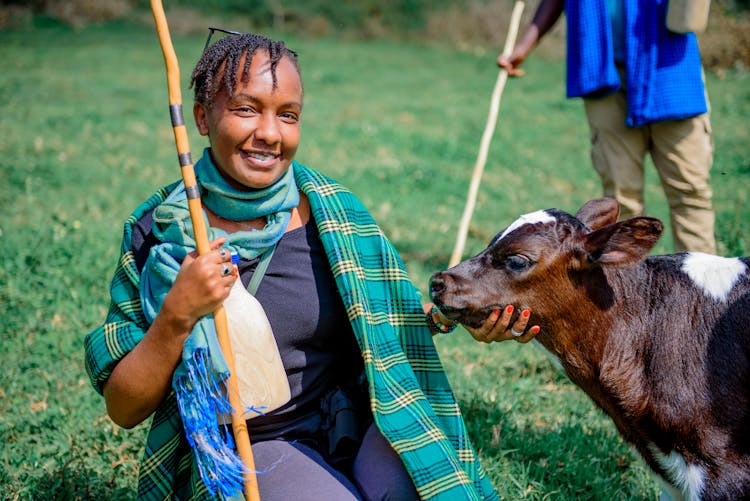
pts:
[225, 270]
[516, 334]
[223, 254]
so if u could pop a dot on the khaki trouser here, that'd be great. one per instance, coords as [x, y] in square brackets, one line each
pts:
[682, 152]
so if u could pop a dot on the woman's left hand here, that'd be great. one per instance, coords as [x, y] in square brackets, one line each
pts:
[497, 327]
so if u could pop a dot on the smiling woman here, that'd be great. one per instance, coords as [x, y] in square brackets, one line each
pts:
[254, 125]
[336, 296]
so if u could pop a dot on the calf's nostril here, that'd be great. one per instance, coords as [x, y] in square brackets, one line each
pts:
[437, 286]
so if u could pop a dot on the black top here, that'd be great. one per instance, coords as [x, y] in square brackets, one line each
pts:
[308, 319]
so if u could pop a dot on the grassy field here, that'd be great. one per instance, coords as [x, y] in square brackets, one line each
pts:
[85, 137]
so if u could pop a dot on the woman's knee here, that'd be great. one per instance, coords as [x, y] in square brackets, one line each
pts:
[379, 472]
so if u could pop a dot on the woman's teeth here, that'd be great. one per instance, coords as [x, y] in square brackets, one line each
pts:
[263, 157]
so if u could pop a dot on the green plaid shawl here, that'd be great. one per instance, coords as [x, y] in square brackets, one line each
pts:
[411, 399]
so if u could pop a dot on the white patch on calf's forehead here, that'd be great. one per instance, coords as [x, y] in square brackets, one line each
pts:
[539, 216]
[714, 274]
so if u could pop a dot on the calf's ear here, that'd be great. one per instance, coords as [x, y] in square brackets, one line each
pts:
[598, 212]
[626, 242]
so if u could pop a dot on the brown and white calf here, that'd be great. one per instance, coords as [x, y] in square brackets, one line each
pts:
[661, 343]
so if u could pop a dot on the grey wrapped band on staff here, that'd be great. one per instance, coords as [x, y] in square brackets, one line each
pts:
[185, 159]
[192, 192]
[175, 113]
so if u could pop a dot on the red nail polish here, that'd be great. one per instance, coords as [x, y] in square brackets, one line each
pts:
[526, 313]
[536, 329]
[509, 309]
[496, 312]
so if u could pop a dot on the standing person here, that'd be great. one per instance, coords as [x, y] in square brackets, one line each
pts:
[643, 91]
[371, 414]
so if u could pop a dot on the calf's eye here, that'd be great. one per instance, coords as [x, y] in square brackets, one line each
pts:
[517, 262]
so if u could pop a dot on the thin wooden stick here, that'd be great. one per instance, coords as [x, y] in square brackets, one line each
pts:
[489, 129]
[239, 425]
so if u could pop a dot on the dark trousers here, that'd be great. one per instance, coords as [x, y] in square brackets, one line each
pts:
[291, 470]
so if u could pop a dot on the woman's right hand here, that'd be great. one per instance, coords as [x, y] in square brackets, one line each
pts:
[142, 378]
[201, 285]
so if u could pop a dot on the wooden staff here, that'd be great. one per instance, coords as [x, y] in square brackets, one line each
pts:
[239, 425]
[489, 129]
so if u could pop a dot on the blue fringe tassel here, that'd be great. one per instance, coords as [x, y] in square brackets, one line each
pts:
[201, 399]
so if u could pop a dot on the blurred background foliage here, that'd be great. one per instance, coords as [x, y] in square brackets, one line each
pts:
[474, 25]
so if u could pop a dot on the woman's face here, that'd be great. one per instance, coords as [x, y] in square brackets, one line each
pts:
[255, 134]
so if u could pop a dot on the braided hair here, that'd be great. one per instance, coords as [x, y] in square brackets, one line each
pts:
[221, 60]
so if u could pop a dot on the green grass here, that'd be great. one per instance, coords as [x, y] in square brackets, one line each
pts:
[85, 137]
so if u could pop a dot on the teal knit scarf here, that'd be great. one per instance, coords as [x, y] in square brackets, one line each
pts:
[172, 218]
[197, 380]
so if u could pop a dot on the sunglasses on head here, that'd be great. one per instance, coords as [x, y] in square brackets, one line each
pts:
[212, 29]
